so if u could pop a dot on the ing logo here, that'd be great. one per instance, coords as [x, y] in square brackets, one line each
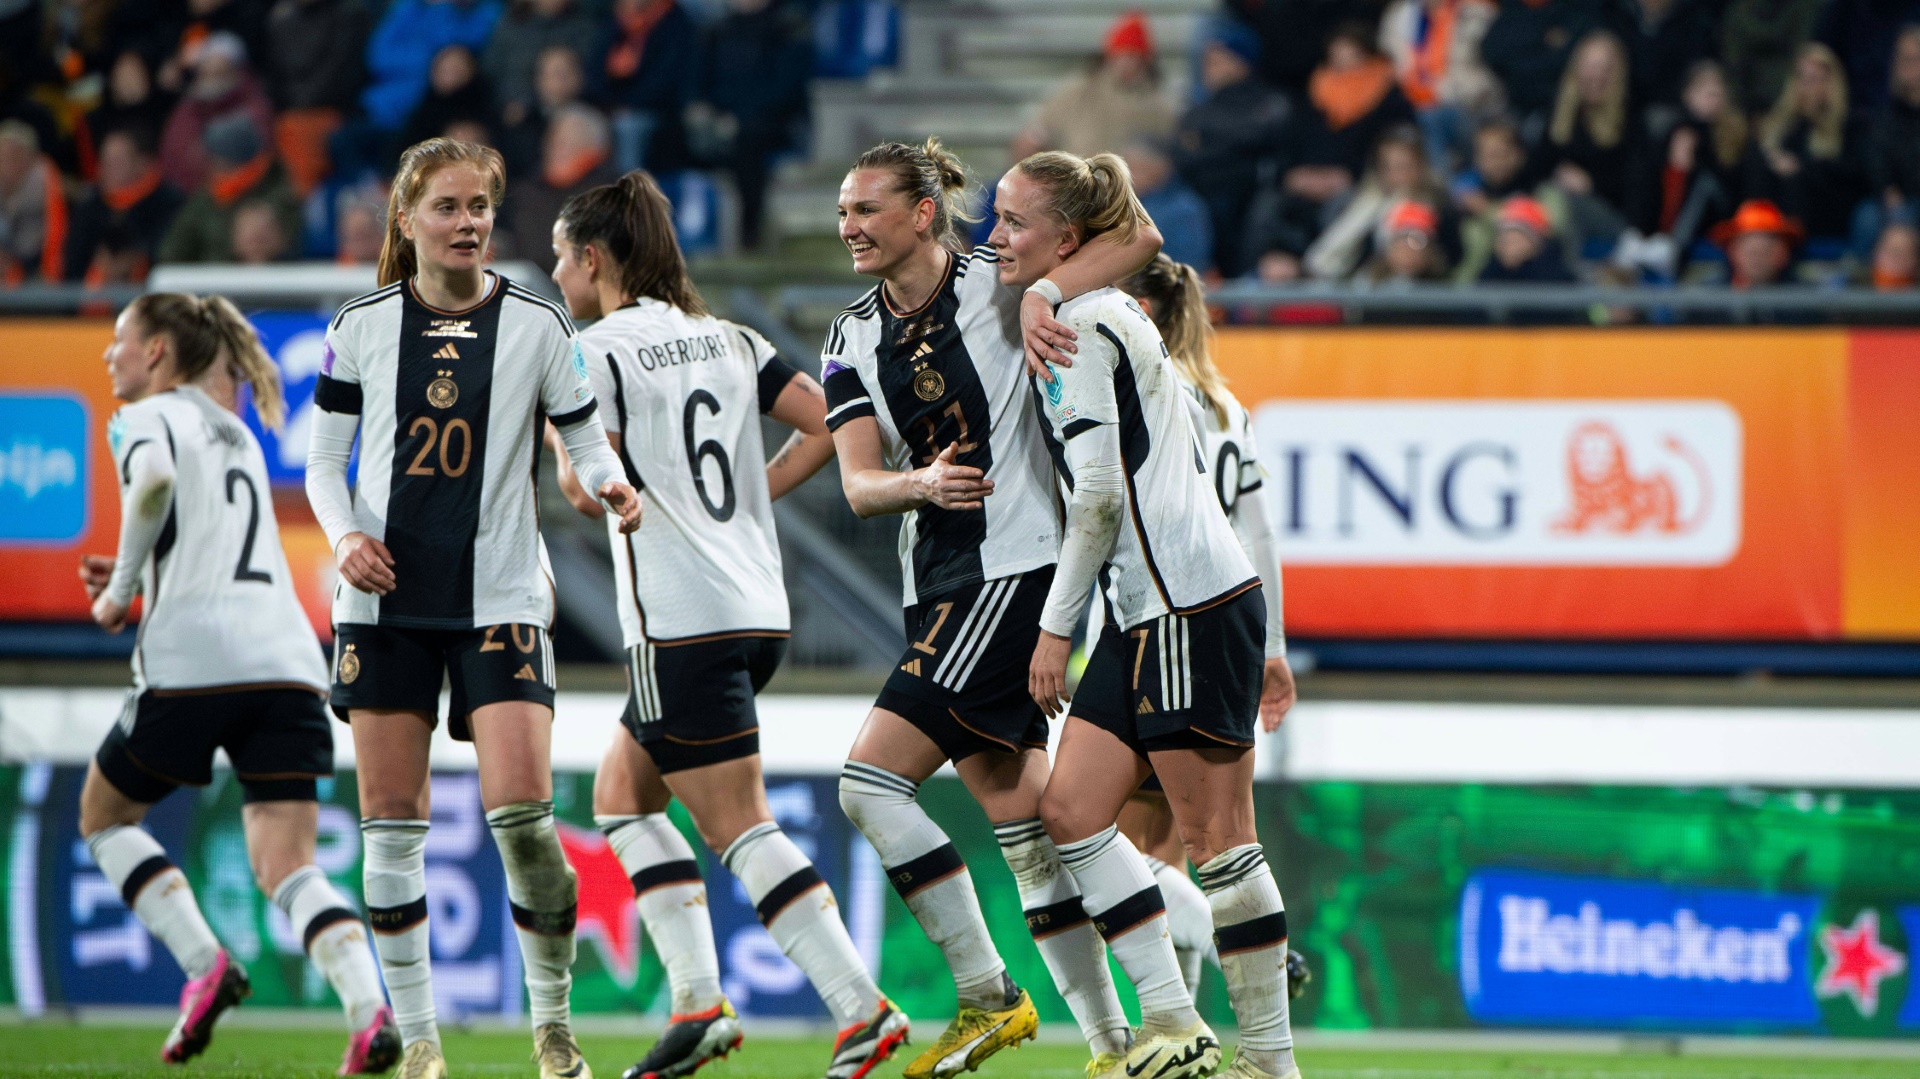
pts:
[1607, 497]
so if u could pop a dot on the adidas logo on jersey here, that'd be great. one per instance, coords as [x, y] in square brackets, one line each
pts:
[447, 352]
[912, 666]
[525, 673]
[1145, 707]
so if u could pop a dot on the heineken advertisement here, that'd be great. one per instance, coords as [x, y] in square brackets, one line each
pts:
[1717, 910]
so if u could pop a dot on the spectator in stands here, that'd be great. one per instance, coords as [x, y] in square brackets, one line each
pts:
[1893, 147]
[524, 34]
[1399, 177]
[1435, 48]
[456, 90]
[131, 102]
[1528, 46]
[749, 96]
[1501, 170]
[1594, 139]
[558, 82]
[315, 72]
[1809, 158]
[1180, 214]
[1224, 138]
[1292, 37]
[241, 169]
[1758, 39]
[257, 238]
[1759, 241]
[649, 73]
[1896, 257]
[1862, 34]
[404, 43]
[222, 88]
[359, 226]
[1409, 248]
[1117, 99]
[1354, 98]
[1664, 39]
[1522, 249]
[33, 208]
[118, 227]
[194, 21]
[1695, 183]
[578, 155]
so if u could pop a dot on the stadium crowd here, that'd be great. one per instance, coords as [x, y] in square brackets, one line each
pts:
[1614, 141]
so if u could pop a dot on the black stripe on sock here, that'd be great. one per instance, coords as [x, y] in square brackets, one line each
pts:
[1044, 922]
[397, 919]
[784, 893]
[142, 876]
[322, 922]
[1129, 913]
[549, 923]
[925, 871]
[685, 871]
[1266, 931]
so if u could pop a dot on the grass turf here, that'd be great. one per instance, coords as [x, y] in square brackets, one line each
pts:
[100, 1052]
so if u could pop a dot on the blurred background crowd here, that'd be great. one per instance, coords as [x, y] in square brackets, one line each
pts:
[1744, 142]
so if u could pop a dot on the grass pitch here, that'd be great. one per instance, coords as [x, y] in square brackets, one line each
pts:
[100, 1052]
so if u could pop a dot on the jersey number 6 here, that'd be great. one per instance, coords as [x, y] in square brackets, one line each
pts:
[709, 448]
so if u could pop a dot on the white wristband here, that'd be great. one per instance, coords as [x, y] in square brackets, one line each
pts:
[1048, 291]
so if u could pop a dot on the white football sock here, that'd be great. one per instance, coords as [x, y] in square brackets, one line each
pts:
[673, 905]
[1125, 905]
[543, 894]
[157, 891]
[395, 879]
[331, 933]
[1250, 926]
[926, 870]
[797, 907]
[1189, 919]
[1074, 953]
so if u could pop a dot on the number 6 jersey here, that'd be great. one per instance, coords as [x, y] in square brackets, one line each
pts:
[685, 394]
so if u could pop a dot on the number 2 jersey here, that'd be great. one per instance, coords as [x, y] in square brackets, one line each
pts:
[219, 605]
[1175, 552]
[951, 373]
[451, 408]
[685, 394]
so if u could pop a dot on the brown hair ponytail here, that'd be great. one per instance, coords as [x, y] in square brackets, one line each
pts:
[631, 220]
[418, 163]
[927, 171]
[1092, 194]
[203, 330]
[1178, 305]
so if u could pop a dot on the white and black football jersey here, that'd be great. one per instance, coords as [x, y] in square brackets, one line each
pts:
[1176, 553]
[219, 604]
[952, 372]
[1226, 446]
[451, 407]
[685, 394]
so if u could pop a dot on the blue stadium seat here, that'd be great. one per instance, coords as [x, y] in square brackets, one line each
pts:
[852, 37]
[696, 209]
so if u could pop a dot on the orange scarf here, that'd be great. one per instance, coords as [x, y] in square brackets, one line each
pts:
[1345, 96]
[53, 245]
[624, 58]
[227, 187]
[1886, 282]
[1421, 83]
[124, 198]
[567, 173]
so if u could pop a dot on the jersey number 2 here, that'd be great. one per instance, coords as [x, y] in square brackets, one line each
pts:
[244, 572]
[709, 448]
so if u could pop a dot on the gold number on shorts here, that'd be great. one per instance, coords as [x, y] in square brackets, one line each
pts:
[940, 612]
[532, 637]
[488, 644]
[1139, 652]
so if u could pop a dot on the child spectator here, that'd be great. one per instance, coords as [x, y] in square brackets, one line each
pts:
[118, 227]
[1595, 139]
[1224, 138]
[1522, 253]
[577, 156]
[1399, 177]
[222, 88]
[1118, 99]
[1501, 170]
[401, 51]
[527, 30]
[314, 74]
[241, 169]
[1893, 147]
[257, 238]
[1435, 48]
[1409, 250]
[1759, 241]
[1810, 147]
[1896, 257]
[455, 91]
[1695, 184]
[750, 92]
[1758, 39]
[33, 209]
[649, 72]
[1180, 214]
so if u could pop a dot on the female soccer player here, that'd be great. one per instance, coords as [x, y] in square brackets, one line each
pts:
[224, 659]
[1175, 678]
[451, 370]
[927, 400]
[1171, 295]
[703, 607]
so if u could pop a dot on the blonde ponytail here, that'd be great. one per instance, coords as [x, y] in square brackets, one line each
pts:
[927, 171]
[1178, 303]
[205, 330]
[1091, 194]
[398, 260]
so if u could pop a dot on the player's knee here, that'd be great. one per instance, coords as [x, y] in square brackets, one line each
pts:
[1063, 821]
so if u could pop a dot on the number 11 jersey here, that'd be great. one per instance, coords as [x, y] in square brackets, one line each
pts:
[685, 394]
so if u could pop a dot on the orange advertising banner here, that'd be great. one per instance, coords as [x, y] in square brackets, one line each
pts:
[1658, 483]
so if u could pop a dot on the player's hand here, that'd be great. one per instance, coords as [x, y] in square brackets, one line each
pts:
[624, 501]
[366, 563]
[1277, 693]
[1046, 340]
[1047, 675]
[95, 571]
[951, 486]
[109, 615]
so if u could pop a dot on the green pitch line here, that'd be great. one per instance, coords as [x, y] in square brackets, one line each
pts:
[90, 1052]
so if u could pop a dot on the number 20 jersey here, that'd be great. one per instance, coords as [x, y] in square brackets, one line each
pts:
[685, 394]
[219, 603]
[951, 373]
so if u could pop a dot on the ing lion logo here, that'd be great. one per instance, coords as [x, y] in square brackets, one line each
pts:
[1607, 497]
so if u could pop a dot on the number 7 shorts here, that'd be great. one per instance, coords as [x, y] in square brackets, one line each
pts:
[394, 669]
[963, 680]
[1179, 681]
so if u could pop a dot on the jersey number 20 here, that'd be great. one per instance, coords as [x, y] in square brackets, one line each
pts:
[710, 448]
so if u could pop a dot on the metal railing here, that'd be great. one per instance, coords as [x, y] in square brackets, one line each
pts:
[318, 285]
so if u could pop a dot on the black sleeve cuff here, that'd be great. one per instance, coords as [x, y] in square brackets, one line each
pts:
[1079, 427]
[568, 419]
[847, 398]
[343, 398]
[774, 376]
